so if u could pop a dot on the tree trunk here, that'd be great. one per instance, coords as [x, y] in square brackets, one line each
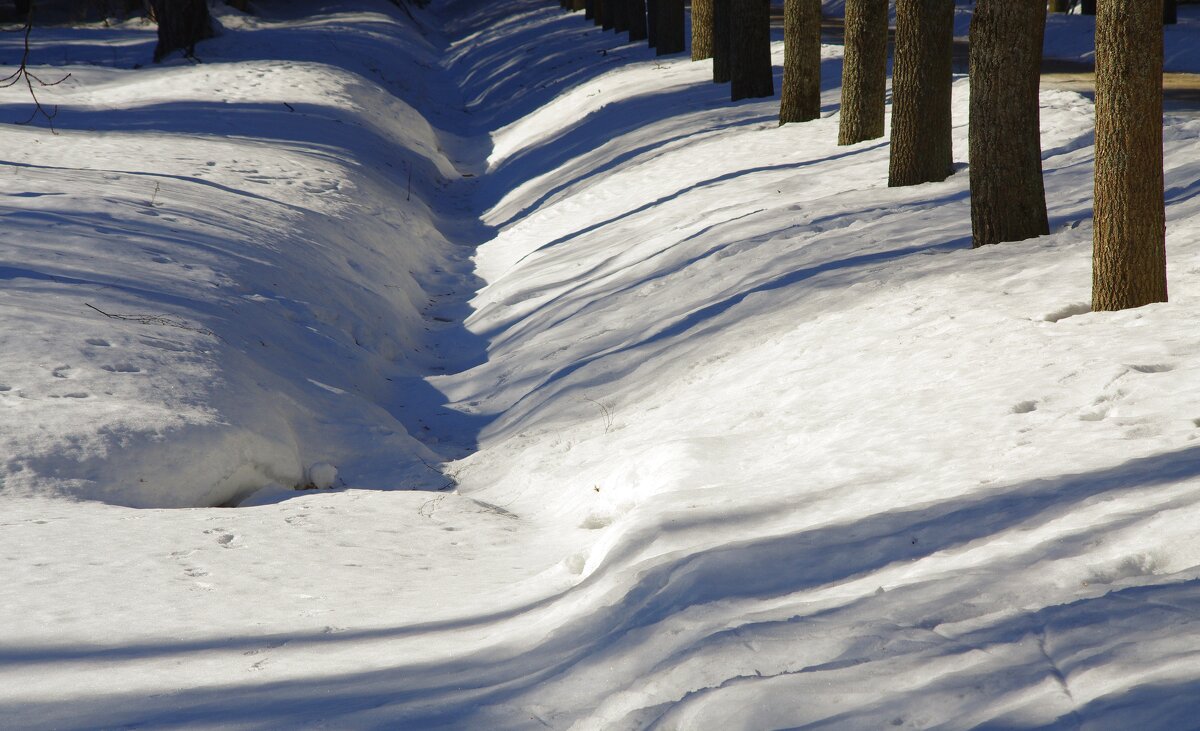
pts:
[750, 49]
[1008, 198]
[801, 95]
[23, 7]
[181, 24]
[652, 22]
[1170, 14]
[607, 13]
[670, 27]
[702, 29]
[577, 5]
[921, 79]
[637, 20]
[721, 40]
[589, 9]
[1059, 6]
[1129, 262]
[1087, 7]
[864, 71]
[620, 16]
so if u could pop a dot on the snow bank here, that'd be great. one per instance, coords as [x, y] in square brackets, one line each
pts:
[207, 290]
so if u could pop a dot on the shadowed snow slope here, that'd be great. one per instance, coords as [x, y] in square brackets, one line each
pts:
[743, 438]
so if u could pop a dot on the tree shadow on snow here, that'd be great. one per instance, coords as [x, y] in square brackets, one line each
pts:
[635, 598]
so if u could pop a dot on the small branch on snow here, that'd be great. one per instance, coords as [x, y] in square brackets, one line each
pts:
[161, 320]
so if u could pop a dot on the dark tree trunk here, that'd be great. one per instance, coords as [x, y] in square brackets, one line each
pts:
[577, 5]
[637, 20]
[1008, 197]
[23, 7]
[1059, 6]
[607, 13]
[589, 9]
[620, 15]
[722, 40]
[750, 49]
[702, 29]
[1087, 7]
[801, 96]
[652, 22]
[921, 79]
[1170, 14]
[181, 25]
[1129, 261]
[864, 71]
[670, 27]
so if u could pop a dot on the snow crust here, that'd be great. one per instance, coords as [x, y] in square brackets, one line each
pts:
[640, 410]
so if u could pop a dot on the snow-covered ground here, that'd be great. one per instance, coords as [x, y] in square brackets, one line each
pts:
[645, 411]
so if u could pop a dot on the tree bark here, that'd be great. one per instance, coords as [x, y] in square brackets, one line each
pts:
[1129, 262]
[921, 77]
[864, 71]
[670, 27]
[702, 29]
[637, 20]
[1008, 197]
[801, 96]
[722, 39]
[750, 49]
[181, 25]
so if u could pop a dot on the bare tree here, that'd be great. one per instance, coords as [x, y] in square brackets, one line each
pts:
[750, 49]
[1008, 197]
[864, 71]
[1129, 261]
[801, 97]
[922, 73]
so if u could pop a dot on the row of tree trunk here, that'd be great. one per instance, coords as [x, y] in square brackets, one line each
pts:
[1008, 201]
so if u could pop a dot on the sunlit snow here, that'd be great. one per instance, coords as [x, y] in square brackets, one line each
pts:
[559, 392]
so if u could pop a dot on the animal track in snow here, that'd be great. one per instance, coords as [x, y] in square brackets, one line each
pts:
[98, 342]
[1024, 407]
[225, 540]
[1153, 368]
[61, 372]
[121, 368]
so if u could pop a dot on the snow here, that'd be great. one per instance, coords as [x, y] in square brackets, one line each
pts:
[625, 407]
